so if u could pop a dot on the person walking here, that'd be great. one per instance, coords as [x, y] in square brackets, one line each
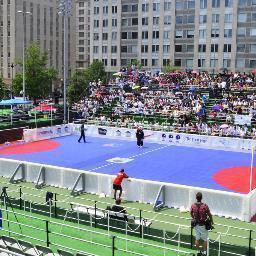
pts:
[140, 137]
[200, 213]
[117, 183]
[82, 131]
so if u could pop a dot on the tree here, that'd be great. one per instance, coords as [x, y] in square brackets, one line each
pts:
[170, 68]
[38, 78]
[79, 83]
[2, 87]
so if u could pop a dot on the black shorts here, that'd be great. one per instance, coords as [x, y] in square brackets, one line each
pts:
[117, 187]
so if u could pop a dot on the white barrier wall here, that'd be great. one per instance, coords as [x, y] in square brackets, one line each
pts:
[221, 203]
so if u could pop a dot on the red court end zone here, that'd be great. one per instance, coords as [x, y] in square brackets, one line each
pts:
[236, 178]
[30, 147]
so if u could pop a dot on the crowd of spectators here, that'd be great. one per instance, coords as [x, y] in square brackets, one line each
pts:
[195, 102]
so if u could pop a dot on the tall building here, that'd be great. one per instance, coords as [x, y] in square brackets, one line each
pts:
[82, 34]
[210, 35]
[31, 21]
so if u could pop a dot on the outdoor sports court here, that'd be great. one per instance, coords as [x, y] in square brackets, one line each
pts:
[207, 168]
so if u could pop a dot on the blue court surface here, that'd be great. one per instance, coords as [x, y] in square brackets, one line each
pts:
[166, 163]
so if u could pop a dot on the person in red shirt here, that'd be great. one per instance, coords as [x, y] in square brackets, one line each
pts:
[118, 181]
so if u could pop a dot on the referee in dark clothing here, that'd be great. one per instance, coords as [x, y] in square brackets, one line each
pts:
[140, 137]
[82, 130]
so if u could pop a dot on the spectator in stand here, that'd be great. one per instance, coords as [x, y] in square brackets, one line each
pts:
[199, 213]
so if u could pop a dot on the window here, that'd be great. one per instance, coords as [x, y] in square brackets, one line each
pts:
[81, 49]
[242, 17]
[124, 22]
[125, 8]
[202, 19]
[228, 3]
[104, 36]
[105, 23]
[114, 35]
[191, 4]
[167, 6]
[113, 49]
[114, 22]
[154, 62]
[178, 33]
[156, 7]
[201, 63]
[178, 48]
[96, 23]
[177, 62]
[227, 33]
[215, 3]
[202, 48]
[228, 18]
[105, 9]
[81, 4]
[155, 20]
[190, 48]
[104, 49]
[144, 35]
[253, 32]
[189, 63]
[95, 49]
[105, 62]
[155, 35]
[124, 48]
[226, 63]
[145, 7]
[96, 36]
[166, 48]
[253, 48]
[214, 47]
[190, 33]
[113, 62]
[114, 9]
[134, 7]
[167, 20]
[215, 18]
[240, 63]
[166, 34]
[134, 21]
[227, 48]
[179, 5]
[145, 21]
[252, 63]
[144, 48]
[166, 62]
[190, 19]
[179, 19]
[241, 48]
[241, 32]
[155, 48]
[96, 10]
[213, 63]
[144, 62]
[202, 33]
[203, 4]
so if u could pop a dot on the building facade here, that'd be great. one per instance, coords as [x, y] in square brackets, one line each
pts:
[212, 35]
[31, 21]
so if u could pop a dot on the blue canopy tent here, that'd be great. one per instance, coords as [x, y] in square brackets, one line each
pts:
[14, 102]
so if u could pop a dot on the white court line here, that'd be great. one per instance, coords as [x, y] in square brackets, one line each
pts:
[134, 156]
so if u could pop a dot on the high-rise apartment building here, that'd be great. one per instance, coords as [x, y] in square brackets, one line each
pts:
[82, 34]
[34, 21]
[195, 34]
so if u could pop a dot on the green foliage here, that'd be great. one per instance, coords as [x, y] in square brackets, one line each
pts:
[2, 88]
[136, 63]
[38, 78]
[79, 84]
[170, 68]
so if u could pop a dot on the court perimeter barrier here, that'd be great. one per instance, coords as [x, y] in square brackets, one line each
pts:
[222, 203]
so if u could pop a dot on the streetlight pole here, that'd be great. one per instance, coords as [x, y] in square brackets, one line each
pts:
[12, 66]
[65, 8]
[23, 54]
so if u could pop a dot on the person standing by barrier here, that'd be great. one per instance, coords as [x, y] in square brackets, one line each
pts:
[117, 183]
[82, 131]
[201, 215]
[140, 137]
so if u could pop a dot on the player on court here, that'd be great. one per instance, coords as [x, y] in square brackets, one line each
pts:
[118, 181]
